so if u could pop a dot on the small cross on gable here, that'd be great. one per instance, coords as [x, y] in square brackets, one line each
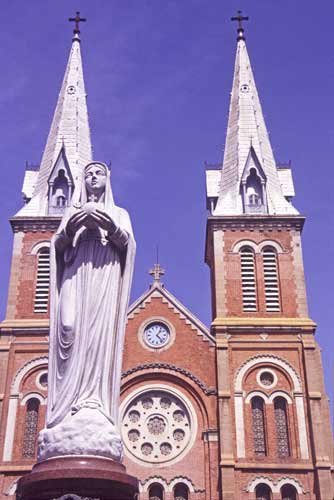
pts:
[157, 272]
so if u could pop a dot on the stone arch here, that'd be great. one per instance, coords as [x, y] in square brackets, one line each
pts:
[38, 246]
[239, 401]
[33, 395]
[270, 243]
[20, 374]
[181, 479]
[153, 480]
[244, 243]
[280, 394]
[291, 481]
[260, 480]
[260, 394]
[270, 359]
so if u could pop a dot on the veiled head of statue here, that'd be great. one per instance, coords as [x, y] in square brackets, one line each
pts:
[95, 178]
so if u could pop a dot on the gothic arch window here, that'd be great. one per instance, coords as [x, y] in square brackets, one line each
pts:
[271, 279]
[258, 425]
[42, 281]
[30, 428]
[181, 492]
[263, 492]
[282, 429]
[288, 492]
[248, 279]
[156, 492]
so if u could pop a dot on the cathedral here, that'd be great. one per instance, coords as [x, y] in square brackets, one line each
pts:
[236, 411]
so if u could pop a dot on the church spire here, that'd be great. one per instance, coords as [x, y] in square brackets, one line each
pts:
[69, 135]
[250, 181]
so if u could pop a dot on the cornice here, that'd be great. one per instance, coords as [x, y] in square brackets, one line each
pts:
[35, 224]
[258, 325]
[255, 222]
[25, 325]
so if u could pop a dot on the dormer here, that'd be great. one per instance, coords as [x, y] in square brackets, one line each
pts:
[60, 185]
[253, 186]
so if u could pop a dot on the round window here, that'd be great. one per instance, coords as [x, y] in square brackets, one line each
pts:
[157, 426]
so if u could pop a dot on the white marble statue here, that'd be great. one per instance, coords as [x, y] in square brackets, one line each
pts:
[92, 258]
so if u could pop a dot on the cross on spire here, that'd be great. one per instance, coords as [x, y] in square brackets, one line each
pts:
[156, 272]
[77, 20]
[239, 18]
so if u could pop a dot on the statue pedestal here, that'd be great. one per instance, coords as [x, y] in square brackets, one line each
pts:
[75, 477]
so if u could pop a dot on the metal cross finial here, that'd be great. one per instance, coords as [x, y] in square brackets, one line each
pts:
[239, 18]
[157, 272]
[77, 20]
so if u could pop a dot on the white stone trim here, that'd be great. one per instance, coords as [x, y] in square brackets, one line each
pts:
[240, 425]
[38, 246]
[274, 485]
[10, 429]
[189, 406]
[270, 243]
[260, 480]
[238, 401]
[257, 247]
[304, 453]
[258, 378]
[260, 394]
[244, 243]
[153, 480]
[289, 480]
[33, 395]
[33, 363]
[270, 359]
[281, 394]
[38, 384]
[181, 479]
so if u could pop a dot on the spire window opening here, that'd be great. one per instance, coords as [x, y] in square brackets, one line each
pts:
[259, 435]
[30, 429]
[42, 281]
[248, 279]
[253, 193]
[156, 492]
[263, 492]
[59, 194]
[282, 430]
[271, 282]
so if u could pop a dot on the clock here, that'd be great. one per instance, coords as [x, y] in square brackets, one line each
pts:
[156, 334]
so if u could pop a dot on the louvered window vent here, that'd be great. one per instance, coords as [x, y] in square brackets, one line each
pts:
[42, 281]
[248, 280]
[271, 283]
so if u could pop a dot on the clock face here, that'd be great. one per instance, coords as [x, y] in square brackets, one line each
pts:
[156, 334]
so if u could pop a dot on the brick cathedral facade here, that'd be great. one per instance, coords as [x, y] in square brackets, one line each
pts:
[237, 411]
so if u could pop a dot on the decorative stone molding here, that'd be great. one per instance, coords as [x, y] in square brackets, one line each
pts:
[33, 363]
[34, 225]
[209, 391]
[33, 395]
[257, 247]
[274, 485]
[168, 485]
[238, 223]
[270, 359]
[38, 246]
[280, 394]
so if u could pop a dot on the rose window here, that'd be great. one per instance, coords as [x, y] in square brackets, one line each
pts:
[267, 378]
[157, 426]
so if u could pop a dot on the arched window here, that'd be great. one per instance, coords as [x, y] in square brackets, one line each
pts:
[282, 430]
[263, 492]
[30, 428]
[181, 492]
[254, 189]
[42, 281]
[271, 282]
[259, 435]
[61, 201]
[248, 279]
[288, 492]
[156, 492]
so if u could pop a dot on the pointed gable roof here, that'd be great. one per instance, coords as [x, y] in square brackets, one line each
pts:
[157, 290]
[69, 130]
[247, 129]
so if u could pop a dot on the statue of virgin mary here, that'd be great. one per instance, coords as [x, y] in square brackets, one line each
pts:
[92, 259]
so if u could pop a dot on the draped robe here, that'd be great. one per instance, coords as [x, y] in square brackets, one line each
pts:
[90, 286]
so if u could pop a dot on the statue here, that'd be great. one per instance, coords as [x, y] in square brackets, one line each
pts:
[92, 258]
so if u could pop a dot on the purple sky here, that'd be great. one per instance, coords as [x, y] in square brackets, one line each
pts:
[158, 76]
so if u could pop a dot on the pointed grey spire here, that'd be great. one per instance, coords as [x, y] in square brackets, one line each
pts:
[247, 131]
[69, 130]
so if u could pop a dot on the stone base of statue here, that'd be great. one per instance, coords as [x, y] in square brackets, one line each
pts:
[77, 478]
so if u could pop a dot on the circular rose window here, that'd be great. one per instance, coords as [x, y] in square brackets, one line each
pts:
[157, 426]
